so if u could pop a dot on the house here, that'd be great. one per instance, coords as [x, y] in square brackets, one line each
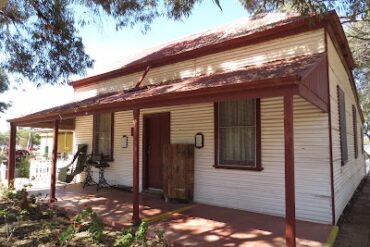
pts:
[65, 143]
[273, 97]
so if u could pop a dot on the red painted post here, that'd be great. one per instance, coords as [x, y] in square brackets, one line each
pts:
[135, 199]
[290, 228]
[53, 170]
[11, 155]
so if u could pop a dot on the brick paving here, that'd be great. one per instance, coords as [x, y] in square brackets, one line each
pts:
[202, 225]
[354, 225]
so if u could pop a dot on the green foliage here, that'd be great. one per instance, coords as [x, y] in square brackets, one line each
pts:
[66, 235]
[4, 85]
[6, 194]
[27, 136]
[4, 138]
[140, 235]
[96, 228]
[24, 168]
[127, 238]
[85, 217]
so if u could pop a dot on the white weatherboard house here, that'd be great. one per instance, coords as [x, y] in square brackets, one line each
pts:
[272, 97]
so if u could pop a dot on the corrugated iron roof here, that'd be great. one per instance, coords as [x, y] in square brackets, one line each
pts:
[216, 35]
[213, 38]
[296, 67]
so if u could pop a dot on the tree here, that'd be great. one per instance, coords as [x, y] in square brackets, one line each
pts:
[27, 137]
[4, 85]
[4, 138]
[39, 40]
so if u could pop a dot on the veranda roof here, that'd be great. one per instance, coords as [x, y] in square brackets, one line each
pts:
[264, 80]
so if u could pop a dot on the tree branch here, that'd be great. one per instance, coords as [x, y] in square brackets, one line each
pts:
[358, 37]
[39, 12]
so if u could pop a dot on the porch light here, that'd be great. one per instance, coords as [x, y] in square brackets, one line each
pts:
[124, 141]
[199, 140]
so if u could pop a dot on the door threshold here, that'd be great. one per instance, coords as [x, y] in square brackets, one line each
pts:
[153, 192]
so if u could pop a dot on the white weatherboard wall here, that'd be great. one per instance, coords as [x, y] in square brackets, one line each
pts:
[347, 177]
[120, 171]
[286, 47]
[249, 190]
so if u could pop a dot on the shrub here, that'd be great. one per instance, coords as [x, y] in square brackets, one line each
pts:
[86, 217]
[139, 238]
[24, 168]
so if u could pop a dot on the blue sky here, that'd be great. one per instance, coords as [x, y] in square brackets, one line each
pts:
[109, 48]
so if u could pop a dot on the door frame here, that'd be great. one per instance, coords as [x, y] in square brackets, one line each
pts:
[144, 144]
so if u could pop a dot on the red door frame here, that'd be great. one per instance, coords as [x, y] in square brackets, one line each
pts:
[145, 136]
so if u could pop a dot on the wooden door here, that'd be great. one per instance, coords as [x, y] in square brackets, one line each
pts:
[157, 133]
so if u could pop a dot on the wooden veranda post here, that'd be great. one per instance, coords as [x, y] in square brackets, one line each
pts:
[53, 170]
[290, 228]
[135, 199]
[11, 155]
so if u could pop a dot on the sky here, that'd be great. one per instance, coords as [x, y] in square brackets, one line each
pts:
[109, 48]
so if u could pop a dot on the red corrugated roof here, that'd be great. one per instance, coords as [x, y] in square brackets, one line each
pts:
[215, 38]
[217, 35]
[295, 68]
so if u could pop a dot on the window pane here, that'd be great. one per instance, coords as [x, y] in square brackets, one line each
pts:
[102, 135]
[237, 132]
[237, 113]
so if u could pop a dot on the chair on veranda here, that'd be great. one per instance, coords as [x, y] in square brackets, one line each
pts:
[68, 172]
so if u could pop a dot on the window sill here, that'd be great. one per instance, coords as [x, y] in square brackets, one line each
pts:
[98, 160]
[238, 167]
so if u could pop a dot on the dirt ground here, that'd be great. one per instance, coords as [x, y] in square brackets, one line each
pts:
[354, 225]
[40, 228]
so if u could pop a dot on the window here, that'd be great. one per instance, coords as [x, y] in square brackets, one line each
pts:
[342, 125]
[238, 134]
[103, 136]
[355, 137]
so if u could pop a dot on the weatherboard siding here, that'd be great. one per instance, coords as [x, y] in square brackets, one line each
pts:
[120, 171]
[295, 45]
[261, 192]
[347, 177]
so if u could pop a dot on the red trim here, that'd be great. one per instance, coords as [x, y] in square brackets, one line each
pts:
[239, 167]
[145, 136]
[313, 98]
[11, 155]
[330, 135]
[256, 89]
[290, 228]
[314, 86]
[254, 167]
[53, 170]
[111, 158]
[136, 142]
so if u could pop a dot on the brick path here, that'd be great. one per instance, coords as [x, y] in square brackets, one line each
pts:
[355, 225]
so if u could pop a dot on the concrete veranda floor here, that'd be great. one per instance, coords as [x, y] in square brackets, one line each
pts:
[199, 225]
[354, 226]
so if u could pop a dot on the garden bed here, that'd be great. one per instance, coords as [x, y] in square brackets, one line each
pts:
[28, 223]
